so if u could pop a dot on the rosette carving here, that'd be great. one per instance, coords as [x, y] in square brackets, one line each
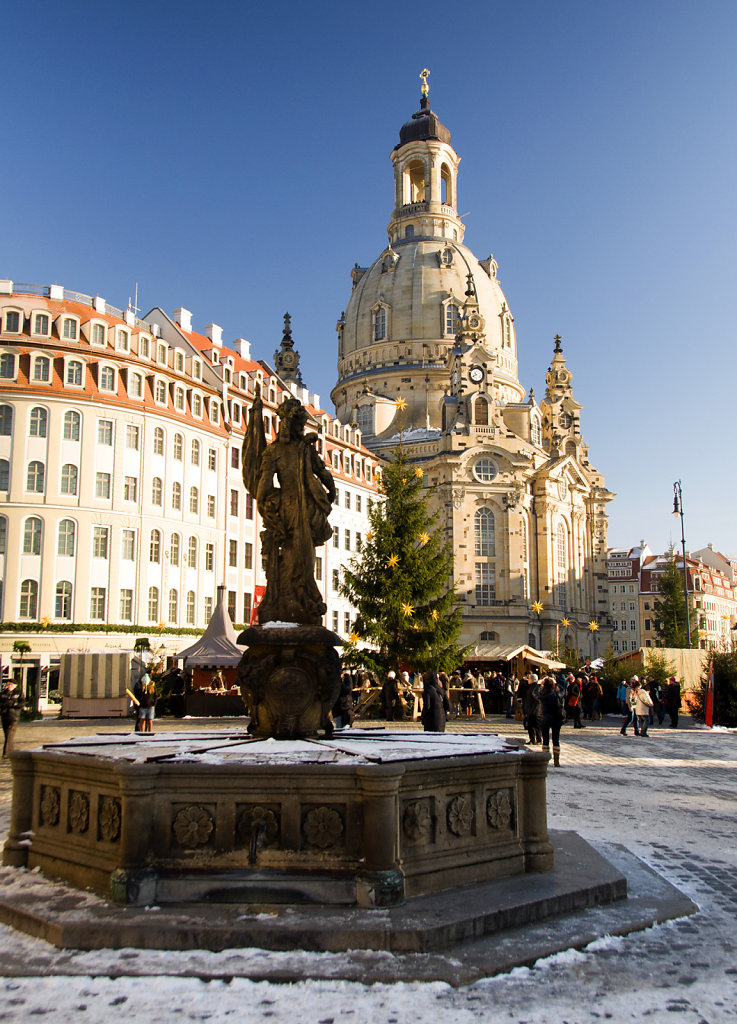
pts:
[109, 818]
[416, 821]
[255, 818]
[460, 816]
[499, 809]
[79, 812]
[193, 826]
[322, 827]
[50, 804]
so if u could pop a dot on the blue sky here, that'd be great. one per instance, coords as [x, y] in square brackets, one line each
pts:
[233, 158]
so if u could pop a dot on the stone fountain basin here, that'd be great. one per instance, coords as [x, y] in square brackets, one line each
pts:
[367, 818]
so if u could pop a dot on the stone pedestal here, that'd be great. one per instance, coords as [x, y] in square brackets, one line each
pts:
[290, 679]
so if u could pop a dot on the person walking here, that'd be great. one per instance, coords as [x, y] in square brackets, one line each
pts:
[629, 701]
[533, 711]
[509, 694]
[435, 703]
[673, 701]
[643, 706]
[573, 703]
[551, 707]
[598, 692]
[343, 707]
[11, 704]
[390, 695]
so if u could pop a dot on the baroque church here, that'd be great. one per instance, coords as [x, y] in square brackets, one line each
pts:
[524, 508]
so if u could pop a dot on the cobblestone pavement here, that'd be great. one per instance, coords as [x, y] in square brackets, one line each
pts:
[669, 798]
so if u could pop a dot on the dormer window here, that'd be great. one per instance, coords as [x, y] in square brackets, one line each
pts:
[161, 355]
[41, 370]
[69, 328]
[107, 379]
[122, 340]
[196, 369]
[7, 366]
[214, 411]
[41, 325]
[197, 404]
[160, 392]
[179, 399]
[179, 362]
[12, 321]
[214, 357]
[98, 334]
[144, 346]
[74, 373]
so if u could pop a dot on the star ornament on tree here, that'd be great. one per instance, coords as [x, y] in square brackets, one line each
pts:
[407, 609]
[564, 622]
[393, 561]
[370, 536]
[593, 626]
[419, 472]
[537, 606]
[401, 404]
[354, 638]
[424, 538]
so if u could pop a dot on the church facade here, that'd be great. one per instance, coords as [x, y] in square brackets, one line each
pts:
[427, 322]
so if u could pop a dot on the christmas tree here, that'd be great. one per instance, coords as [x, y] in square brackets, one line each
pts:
[400, 582]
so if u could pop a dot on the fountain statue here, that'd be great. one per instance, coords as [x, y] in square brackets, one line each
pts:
[290, 674]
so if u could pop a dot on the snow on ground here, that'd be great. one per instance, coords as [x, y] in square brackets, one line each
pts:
[669, 798]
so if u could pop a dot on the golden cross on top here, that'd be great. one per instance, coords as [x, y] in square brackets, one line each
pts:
[424, 76]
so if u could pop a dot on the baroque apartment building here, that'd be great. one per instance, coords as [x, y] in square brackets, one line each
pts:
[121, 497]
[524, 508]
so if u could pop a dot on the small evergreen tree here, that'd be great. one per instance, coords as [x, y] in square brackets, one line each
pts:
[400, 581]
[670, 609]
[724, 667]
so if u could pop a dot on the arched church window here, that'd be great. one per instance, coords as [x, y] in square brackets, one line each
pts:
[451, 318]
[536, 434]
[561, 559]
[365, 419]
[571, 448]
[523, 539]
[484, 540]
[446, 185]
[416, 173]
[379, 323]
[409, 231]
[481, 412]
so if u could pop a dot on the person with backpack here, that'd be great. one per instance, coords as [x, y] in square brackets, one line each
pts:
[573, 703]
[551, 708]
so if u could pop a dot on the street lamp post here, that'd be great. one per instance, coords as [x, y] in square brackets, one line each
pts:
[678, 511]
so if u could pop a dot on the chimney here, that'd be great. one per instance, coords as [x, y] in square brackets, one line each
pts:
[183, 317]
[215, 334]
[242, 347]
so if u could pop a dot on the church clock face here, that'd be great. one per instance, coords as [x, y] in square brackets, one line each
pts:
[476, 374]
[474, 322]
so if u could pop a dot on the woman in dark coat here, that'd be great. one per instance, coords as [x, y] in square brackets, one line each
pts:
[435, 704]
[343, 707]
[552, 717]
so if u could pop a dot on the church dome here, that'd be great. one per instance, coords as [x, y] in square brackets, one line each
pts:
[423, 125]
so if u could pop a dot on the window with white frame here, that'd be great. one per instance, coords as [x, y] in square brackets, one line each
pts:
[209, 557]
[38, 422]
[157, 491]
[179, 361]
[105, 432]
[144, 346]
[66, 538]
[128, 545]
[178, 448]
[153, 604]
[132, 436]
[191, 607]
[154, 547]
[179, 399]
[173, 605]
[32, 528]
[192, 553]
[158, 441]
[160, 392]
[174, 549]
[130, 488]
[122, 340]
[196, 404]
[63, 600]
[212, 459]
[41, 325]
[195, 452]
[176, 496]
[126, 605]
[100, 536]
[194, 500]
[98, 334]
[74, 373]
[41, 370]
[69, 328]
[7, 366]
[102, 485]
[69, 478]
[13, 321]
[135, 386]
[107, 378]
[161, 354]
[28, 607]
[35, 477]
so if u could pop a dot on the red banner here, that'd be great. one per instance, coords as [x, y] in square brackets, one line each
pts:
[258, 596]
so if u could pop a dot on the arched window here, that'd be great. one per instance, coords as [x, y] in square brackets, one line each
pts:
[7, 366]
[38, 422]
[28, 608]
[156, 491]
[6, 420]
[72, 421]
[481, 412]
[158, 441]
[66, 538]
[154, 550]
[3, 536]
[41, 369]
[153, 604]
[195, 452]
[446, 185]
[107, 378]
[4, 475]
[69, 475]
[561, 563]
[35, 477]
[379, 323]
[416, 180]
[176, 496]
[451, 318]
[174, 550]
[63, 602]
[194, 500]
[32, 536]
[523, 538]
[173, 605]
[192, 553]
[75, 372]
[483, 522]
[190, 607]
[536, 434]
[409, 231]
[178, 447]
[489, 636]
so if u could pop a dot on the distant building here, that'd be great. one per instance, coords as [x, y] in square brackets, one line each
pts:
[120, 481]
[623, 579]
